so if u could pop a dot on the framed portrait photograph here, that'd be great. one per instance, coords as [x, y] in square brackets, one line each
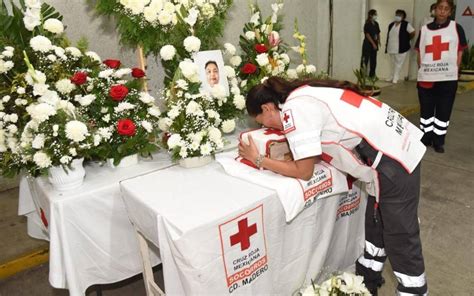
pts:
[211, 70]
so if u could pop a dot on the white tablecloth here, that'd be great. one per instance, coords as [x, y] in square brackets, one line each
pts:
[220, 235]
[91, 238]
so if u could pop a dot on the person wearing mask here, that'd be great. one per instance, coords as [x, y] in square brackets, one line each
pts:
[440, 45]
[364, 138]
[430, 18]
[400, 32]
[371, 43]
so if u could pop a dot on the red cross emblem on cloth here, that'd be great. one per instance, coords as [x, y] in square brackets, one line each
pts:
[244, 234]
[271, 131]
[437, 47]
[286, 117]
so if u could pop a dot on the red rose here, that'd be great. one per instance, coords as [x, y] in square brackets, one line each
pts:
[118, 92]
[248, 68]
[126, 127]
[261, 48]
[138, 73]
[79, 78]
[114, 64]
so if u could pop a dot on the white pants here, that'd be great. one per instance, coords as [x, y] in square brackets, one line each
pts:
[397, 60]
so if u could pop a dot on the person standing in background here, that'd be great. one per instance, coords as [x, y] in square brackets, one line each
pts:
[440, 45]
[371, 42]
[430, 18]
[400, 32]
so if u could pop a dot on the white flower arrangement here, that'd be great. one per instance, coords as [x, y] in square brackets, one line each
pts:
[344, 284]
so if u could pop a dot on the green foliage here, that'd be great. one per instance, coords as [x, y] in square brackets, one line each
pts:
[364, 81]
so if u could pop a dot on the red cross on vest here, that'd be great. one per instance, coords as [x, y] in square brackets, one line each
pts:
[271, 131]
[244, 234]
[437, 47]
[286, 117]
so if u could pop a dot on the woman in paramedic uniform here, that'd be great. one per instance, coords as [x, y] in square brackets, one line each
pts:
[330, 120]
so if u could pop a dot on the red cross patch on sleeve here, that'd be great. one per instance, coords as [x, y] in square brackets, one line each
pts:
[288, 123]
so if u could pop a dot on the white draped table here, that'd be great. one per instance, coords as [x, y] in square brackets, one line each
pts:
[219, 235]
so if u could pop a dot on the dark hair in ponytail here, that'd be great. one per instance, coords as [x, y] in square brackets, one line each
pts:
[275, 90]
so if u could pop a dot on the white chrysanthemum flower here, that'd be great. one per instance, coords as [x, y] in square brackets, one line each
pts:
[9, 49]
[157, 5]
[150, 14]
[230, 49]
[40, 89]
[49, 97]
[54, 26]
[169, 7]
[12, 129]
[123, 106]
[7, 53]
[208, 10]
[52, 58]
[206, 149]
[6, 98]
[183, 152]
[106, 73]
[85, 100]
[218, 91]
[164, 124]
[42, 160]
[154, 111]
[65, 105]
[136, 6]
[235, 61]
[292, 74]
[228, 126]
[174, 112]
[239, 102]
[189, 70]
[300, 68]
[40, 112]
[106, 118]
[167, 52]
[93, 55]
[262, 59]
[13, 117]
[72, 151]
[229, 71]
[192, 44]
[174, 141]
[41, 43]
[215, 134]
[285, 58]
[192, 108]
[75, 52]
[122, 72]
[165, 18]
[105, 132]
[235, 90]
[250, 35]
[66, 159]
[310, 69]
[147, 126]
[64, 86]
[5, 66]
[146, 98]
[182, 84]
[76, 130]
[38, 141]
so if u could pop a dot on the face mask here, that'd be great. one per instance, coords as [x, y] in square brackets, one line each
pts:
[374, 17]
[398, 18]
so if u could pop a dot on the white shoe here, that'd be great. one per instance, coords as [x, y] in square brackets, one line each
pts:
[394, 81]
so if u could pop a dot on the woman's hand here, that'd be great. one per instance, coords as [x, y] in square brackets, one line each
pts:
[250, 151]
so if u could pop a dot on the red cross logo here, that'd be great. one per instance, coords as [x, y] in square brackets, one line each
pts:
[355, 99]
[244, 234]
[271, 131]
[437, 47]
[286, 117]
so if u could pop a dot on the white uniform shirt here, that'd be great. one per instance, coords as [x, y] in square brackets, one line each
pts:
[393, 37]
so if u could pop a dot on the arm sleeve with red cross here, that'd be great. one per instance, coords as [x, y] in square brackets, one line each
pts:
[303, 119]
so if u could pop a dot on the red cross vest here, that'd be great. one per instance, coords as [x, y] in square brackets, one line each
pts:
[438, 54]
[381, 126]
